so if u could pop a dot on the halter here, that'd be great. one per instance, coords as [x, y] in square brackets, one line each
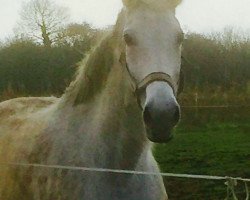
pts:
[152, 77]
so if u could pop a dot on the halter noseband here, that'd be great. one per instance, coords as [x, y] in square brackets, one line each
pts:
[155, 76]
[152, 77]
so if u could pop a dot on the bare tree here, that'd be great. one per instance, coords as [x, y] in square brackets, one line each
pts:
[42, 20]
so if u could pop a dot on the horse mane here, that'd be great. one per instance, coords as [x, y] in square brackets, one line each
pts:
[93, 71]
[156, 4]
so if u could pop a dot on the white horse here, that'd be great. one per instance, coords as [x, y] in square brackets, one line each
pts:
[124, 96]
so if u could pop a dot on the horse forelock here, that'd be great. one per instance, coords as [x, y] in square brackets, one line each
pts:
[156, 4]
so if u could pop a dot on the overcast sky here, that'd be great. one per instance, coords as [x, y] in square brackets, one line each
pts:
[202, 16]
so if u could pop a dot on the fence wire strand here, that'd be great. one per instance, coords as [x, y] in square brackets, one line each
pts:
[230, 181]
[118, 171]
[216, 106]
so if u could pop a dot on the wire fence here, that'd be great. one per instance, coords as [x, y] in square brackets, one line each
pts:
[216, 106]
[230, 182]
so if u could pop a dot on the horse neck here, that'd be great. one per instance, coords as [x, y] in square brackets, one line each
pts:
[114, 120]
[122, 128]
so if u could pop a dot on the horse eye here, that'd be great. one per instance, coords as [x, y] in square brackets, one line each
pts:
[128, 39]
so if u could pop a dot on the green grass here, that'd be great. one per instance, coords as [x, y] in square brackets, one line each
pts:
[213, 147]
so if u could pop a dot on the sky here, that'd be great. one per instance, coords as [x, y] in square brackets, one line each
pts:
[201, 16]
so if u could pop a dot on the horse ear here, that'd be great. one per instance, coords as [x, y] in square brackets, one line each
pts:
[170, 3]
[126, 2]
[129, 3]
[180, 83]
[175, 3]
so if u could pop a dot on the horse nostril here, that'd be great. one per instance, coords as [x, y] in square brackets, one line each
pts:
[168, 115]
[147, 117]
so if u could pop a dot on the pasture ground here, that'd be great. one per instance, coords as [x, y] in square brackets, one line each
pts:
[209, 141]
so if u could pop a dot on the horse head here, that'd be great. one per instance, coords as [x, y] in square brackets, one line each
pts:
[152, 41]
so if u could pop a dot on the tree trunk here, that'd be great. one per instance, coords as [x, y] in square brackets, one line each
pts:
[45, 35]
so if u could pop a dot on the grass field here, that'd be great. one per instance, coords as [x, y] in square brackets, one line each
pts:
[210, 142]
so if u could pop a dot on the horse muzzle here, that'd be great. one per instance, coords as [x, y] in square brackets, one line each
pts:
[161, 112]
